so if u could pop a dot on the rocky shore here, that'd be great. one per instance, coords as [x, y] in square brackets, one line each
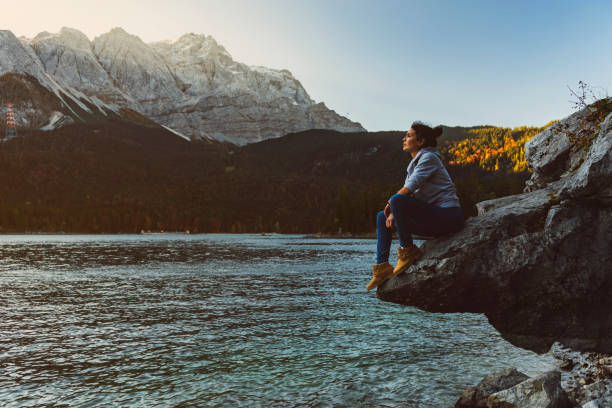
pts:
[583, 380]
[538, 265]
[585, 377]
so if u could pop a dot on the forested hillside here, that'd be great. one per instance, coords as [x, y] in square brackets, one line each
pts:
[494, 148]
[126, 178]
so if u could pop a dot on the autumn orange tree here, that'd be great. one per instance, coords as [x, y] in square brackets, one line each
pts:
[494, 148]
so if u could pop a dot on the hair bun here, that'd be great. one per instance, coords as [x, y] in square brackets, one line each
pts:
[426, 133]
[437, 131]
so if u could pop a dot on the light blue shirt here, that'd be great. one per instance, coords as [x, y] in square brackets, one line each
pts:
[429, 181]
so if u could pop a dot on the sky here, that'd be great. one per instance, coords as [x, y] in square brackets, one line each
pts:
[383, 63]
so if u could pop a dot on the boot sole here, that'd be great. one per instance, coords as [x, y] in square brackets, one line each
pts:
[380, 283]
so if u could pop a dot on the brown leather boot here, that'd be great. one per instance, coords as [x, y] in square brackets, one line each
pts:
[405, 258]
[380, 273]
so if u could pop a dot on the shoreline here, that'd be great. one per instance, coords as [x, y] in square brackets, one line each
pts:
[306, 235]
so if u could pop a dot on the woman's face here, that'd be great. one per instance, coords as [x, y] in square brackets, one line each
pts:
[411, 143]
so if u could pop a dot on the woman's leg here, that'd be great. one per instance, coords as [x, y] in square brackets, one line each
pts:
[415, 216]
[403, 208]
[384, 236]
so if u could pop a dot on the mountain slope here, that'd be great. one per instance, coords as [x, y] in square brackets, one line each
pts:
[69, 58]
[191, 85]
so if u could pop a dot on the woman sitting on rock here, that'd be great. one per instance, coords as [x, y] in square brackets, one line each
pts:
[427, 204]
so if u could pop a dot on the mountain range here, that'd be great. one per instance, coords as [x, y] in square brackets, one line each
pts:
[192, 86]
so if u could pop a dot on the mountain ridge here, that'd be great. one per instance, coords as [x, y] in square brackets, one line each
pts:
[191, 84]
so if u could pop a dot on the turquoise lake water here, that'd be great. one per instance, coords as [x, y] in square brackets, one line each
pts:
[226, 321]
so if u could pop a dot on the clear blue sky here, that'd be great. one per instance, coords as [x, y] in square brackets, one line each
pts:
[383, 63]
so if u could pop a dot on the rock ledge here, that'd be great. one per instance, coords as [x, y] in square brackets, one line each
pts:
[537, 264]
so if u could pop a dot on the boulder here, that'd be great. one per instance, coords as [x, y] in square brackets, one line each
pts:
[537, 264]
[597, 394]
[543, 391]
[476, 397]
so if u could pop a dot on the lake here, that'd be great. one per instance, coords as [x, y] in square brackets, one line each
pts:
[226, 321]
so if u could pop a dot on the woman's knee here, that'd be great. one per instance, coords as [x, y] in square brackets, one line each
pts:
[400, 199]
[381, 217]
[393, 200]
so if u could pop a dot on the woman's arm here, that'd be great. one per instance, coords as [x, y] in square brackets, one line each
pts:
[404, 191]
[428, 164]
[387, 209]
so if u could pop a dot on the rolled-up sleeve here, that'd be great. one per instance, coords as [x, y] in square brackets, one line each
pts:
[427, 165]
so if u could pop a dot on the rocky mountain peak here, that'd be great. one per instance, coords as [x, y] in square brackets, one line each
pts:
[137, 69]
[193, 48]
[40, 36]
[192, 38]
[68, 58]
[67, 37]
[119, 32]
[118, 39]
[75, 38]
[7, 35]
[17, 56]
[191, 84]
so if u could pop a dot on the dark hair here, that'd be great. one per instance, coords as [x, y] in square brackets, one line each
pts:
[424, 132]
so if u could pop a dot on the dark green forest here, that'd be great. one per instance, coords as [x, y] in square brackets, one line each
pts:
[125, 178]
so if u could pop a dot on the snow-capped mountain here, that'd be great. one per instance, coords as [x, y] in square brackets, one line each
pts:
[190, 85]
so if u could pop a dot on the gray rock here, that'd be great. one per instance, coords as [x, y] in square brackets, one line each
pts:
[137, 70]
[587, 380]
[605, 361]
[561, 148]
[68, 57]
[227, 100]
[543, 391]
[477, 396]
[566, 364]
[547, 152]
[538, 264]
[17, 57]
[598, 394]
[191, 85]
[592, 179]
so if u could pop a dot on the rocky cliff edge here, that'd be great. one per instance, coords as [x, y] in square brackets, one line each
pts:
[537, 264]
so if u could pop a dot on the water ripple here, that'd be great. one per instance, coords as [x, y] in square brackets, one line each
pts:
[225, 320]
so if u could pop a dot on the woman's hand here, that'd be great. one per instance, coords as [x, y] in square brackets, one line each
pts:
[389, 222]
[387, 210]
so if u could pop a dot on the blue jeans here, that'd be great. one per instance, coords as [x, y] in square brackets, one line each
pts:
[413, 216]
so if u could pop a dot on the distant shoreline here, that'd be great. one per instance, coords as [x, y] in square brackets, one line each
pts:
[347, 235]
[306, 235]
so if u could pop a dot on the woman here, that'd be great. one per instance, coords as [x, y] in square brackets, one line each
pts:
[427, 204]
